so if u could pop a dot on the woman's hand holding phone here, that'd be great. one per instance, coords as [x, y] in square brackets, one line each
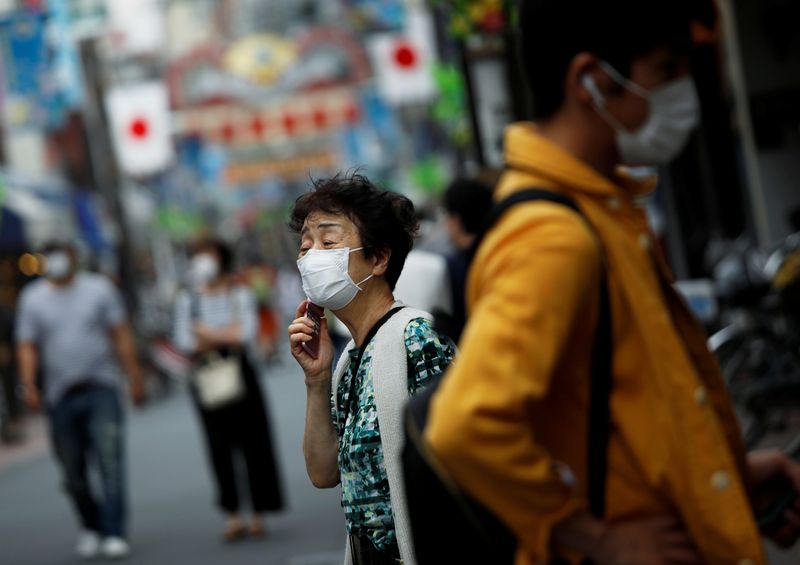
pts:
[310, 342]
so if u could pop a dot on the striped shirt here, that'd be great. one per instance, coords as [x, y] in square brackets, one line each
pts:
[217, 310]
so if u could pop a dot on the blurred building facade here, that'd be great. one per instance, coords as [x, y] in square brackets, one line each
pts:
[137, 126]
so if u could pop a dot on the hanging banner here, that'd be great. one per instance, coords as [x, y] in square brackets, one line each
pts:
[140, 127]
[65, 72]
[404, 62]
[261, 58]
[24, 53]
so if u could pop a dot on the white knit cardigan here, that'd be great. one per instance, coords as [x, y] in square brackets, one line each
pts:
[390, 379]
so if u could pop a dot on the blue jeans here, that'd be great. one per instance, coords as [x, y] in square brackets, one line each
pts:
[87, 426]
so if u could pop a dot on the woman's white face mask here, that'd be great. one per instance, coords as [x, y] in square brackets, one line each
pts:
[674, 113]
[326, 279]
[203, 269]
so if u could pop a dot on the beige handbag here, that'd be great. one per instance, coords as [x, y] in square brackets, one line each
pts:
[219, 381]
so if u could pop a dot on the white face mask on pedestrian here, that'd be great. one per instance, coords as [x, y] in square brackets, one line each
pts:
[203, 269]
[59, 265]
[674, 112]
[326, 279]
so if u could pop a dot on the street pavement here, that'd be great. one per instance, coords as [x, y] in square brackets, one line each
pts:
[174, 520]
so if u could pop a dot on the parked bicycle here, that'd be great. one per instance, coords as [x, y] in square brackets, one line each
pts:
[759, 346]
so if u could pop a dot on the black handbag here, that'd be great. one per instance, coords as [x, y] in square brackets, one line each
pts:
[447, 524]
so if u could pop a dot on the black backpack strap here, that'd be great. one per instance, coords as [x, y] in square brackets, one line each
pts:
[602, 381]
[527, 195]
[599, 407]
[369, 337]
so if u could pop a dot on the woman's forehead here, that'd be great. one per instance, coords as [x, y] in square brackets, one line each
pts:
[320, 220]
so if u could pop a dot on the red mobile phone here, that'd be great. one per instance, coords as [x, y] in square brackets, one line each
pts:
[315, 313]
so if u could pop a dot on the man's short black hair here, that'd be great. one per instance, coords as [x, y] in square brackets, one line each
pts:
[470, 200]
[552, 32]
[63, 245]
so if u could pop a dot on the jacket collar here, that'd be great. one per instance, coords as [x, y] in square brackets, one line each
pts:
[526, 150]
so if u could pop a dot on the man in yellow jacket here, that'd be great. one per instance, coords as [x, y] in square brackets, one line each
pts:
[611, 85]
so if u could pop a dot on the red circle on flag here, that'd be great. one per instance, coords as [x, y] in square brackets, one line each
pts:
[405, 55]
[139, 128]
[227, 132]
[320, 118]
[289, 123]
[258, 126]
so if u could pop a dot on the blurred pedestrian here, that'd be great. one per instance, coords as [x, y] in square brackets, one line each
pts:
[216, 323]
[11, 410]
[612, 87]
[73, 325]
[354, 239]
[468, 203]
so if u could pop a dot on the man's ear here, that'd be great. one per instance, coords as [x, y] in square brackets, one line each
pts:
[585, 82]
[380, 261]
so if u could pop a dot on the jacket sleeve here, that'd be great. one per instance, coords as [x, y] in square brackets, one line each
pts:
[534, 278]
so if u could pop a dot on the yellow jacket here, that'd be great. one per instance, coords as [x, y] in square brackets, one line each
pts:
[509, 421]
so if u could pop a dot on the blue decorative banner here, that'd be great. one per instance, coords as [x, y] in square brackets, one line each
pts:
[24, 53]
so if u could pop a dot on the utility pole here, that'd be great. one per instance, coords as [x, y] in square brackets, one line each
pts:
[104, 166]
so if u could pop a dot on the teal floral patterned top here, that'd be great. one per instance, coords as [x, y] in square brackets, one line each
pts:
[365, 485]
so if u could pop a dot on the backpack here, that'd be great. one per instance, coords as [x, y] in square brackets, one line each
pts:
[448, 525]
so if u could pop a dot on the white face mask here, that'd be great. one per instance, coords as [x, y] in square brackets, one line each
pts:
[326, 280]
[203, 269]
[674, 113]
[59, 265]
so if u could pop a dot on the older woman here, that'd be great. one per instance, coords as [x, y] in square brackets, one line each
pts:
[354, 239]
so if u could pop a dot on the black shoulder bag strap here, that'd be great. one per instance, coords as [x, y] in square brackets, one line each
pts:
[599, 408]
[370, 335]
[194, 305]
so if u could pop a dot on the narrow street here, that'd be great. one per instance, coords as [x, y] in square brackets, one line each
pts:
[173, 518]
[174, 521]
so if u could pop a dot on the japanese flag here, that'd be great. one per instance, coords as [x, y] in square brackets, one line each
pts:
[140, 125]
[403, 62]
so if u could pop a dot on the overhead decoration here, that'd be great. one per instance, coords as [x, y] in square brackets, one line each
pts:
[291, 168]
[268, 66]
[377, 15]
[195, 78]
[304, 115]
[329, 56]
[261, 58]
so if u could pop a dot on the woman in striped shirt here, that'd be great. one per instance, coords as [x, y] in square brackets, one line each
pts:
[215, 322]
